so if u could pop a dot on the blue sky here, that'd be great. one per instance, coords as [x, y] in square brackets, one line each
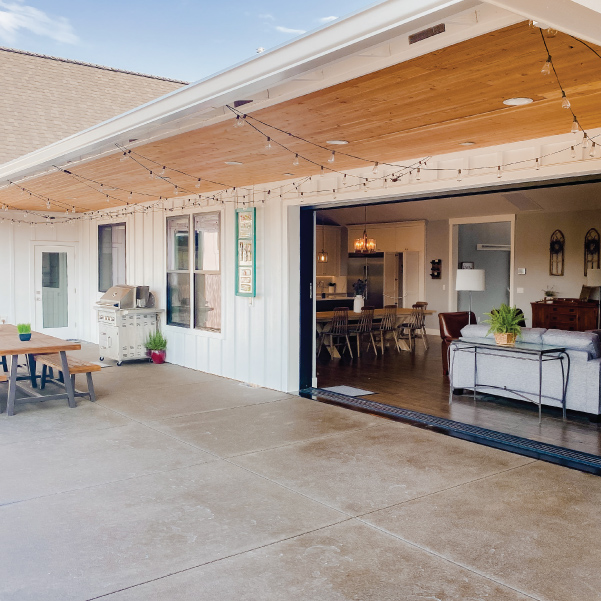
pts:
[182, 39]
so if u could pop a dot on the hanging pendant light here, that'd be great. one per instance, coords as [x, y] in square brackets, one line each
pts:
[365, 244]
[322, 257]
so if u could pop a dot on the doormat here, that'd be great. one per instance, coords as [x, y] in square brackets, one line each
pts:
[578, 460]
[348, 390]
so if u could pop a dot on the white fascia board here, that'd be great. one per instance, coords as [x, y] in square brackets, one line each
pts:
[362, 30]
[580, 18]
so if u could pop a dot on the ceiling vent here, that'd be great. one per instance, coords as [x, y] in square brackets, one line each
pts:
[506, 247]
[426, 33]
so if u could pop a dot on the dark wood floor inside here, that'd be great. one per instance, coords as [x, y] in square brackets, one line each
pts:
[415, 381]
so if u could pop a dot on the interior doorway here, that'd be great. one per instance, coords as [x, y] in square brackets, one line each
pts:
[55, 289]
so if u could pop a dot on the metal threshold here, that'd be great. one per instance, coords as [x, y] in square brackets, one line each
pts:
[577, 460]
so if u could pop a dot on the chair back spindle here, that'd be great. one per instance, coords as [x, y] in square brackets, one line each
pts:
[340, 321]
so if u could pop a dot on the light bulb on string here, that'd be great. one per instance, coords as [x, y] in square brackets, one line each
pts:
[296, 161]
[375, 168]
[573, 151]
[499, 172]
[197, 184]
[575, 127]
[459, 175]
[150, 175]
[123, 158]
[551, 33]
[239, 122]
[47, 204]
[162, 171]
[593, 150]
[546, 70]
[268, 143]
[585, 141]
[130, 196]
[107, 198]
[175, 190]
[418, 174]
[332, 157]
[321, 172]
[565, 103]
[537, 165]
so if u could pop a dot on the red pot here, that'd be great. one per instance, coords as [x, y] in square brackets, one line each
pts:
[158, 357]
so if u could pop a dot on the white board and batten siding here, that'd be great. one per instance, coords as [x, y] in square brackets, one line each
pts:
[252, 346]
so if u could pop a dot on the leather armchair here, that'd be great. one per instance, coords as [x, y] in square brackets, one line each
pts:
[451, 325]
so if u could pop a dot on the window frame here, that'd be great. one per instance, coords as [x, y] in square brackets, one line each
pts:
[192, 271]
[111, 225]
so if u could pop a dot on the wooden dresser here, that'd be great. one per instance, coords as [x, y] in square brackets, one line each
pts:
[565, 314]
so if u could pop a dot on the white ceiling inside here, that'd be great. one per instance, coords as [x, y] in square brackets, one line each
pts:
[576, 197]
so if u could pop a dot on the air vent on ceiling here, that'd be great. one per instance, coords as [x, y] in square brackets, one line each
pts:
[493, 247]
[426, 33]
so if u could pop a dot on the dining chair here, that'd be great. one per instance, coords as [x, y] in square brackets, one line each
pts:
[339, 331]
[388, 324]
[365, 327]
[414, 326]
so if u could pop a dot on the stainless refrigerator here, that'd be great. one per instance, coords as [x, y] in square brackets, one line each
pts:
[371, 268]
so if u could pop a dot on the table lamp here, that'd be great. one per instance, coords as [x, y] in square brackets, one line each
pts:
[471, 280]
[593, 279]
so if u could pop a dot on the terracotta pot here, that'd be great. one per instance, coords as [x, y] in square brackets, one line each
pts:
[505, 339]
[158, 357]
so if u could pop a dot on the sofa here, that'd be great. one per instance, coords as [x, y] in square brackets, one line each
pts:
[501, 368]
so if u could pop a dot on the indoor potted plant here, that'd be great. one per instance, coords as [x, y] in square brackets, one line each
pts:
[156, 345]
[549, 294]
[359, 288]
[24, 330]
[504, 324]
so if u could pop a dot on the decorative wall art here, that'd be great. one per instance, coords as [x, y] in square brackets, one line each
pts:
[591, 250]
[435, 270]
[246, 264]
[557, 253]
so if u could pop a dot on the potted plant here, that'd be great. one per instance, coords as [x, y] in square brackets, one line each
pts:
[24, 330]
[359, 287]
[156, 344]
[549, 295]
[504, 324]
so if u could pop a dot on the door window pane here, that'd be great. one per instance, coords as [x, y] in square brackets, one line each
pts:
[207, 302]
[55, 290]
[178, 232]
[178, 299]
[111, 255]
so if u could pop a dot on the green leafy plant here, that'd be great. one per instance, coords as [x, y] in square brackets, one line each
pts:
[24, 328]
[505, 320]
[156, 341]
[549, 292]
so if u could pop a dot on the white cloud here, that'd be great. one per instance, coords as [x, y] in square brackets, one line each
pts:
[288, 30]
[16, 15]
[327, 19]
[267, 17]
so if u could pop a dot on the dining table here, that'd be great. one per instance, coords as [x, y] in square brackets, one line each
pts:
[39, 344]
[324, 317]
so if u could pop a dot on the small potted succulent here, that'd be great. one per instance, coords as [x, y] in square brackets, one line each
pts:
[156, 345]
[24, 330]
[549, 295]
[504, 324]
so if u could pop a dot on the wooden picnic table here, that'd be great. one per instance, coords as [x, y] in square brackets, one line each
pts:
[40, 344]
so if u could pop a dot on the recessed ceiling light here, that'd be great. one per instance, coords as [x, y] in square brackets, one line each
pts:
[233, 163]
[517, 101]
[466, 143]
[336, 142]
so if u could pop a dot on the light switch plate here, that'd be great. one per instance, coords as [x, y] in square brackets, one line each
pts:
[521, 271]
[520, 291]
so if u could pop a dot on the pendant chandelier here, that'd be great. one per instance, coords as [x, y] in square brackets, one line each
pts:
[322, 257]
[365, 244]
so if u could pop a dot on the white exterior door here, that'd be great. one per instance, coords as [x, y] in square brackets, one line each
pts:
[410, 278]
[55, 306]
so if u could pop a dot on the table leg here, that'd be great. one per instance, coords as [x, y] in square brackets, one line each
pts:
[32, 371]
[12, 385]
[67, 379]
[540, 389]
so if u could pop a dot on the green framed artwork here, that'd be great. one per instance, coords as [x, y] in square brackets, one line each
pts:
[246, 264]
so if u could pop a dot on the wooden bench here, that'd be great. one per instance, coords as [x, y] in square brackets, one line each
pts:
[76, 366]
[3, 378]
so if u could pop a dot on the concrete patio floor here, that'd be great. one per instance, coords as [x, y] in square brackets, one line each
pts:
[179, 485]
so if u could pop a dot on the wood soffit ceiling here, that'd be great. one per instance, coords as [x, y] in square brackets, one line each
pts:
[425, 106]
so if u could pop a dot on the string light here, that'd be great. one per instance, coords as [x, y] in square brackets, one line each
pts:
[499, 172]
[565, 103]
[375, 169]
[268, 144]
[197, 184]
[537, 166]
[332, 157]
[546, 70]
[575, 126]
[296, 161]
[593, 150]
[459, 175]
[573, 152]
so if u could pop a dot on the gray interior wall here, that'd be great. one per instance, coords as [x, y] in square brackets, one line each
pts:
[532, 234]
[437, 247]
[496, 265]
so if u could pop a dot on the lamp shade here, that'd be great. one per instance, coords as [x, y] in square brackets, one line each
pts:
[593, 277]
[470, 279]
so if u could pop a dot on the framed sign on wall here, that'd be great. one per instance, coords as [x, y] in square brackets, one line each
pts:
[246, 264]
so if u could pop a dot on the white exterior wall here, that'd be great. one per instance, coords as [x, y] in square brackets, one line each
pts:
[259, 341]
